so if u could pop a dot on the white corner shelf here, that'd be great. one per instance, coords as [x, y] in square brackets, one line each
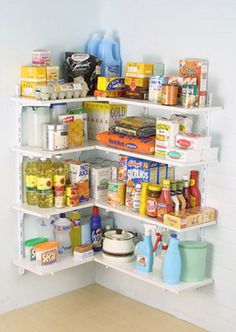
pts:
[47, 212]
[62, 264]
[152, 278]
[123, 210]
[23, 101]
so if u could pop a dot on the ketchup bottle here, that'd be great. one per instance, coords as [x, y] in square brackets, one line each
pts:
[195, 197]
[164, 204]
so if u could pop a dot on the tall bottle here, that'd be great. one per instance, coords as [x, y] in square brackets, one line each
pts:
[59, 173]
[62, 231]
[44, 183]
[172, 262]
[159, 259]
[173, 192]
[164, 204]
[75, 233]
[31, 181]
[194, 190]
[144, 260]
[96, 229]
[180, 196]
[93, 44]
[137, 196]
[186, 192]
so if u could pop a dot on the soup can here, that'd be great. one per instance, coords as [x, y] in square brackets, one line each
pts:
[155, 88]
[169, 95]
[116, 193]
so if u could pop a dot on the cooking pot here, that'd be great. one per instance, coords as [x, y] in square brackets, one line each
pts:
[118, 244]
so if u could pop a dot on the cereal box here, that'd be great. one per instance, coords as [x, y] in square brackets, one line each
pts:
[79, 175]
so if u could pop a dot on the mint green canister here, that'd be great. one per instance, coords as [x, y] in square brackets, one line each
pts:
[193, 260]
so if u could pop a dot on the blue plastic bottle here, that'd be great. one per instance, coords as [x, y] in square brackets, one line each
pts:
[96, 229]
[172, 262]
[93, 43]
[109, 53]
[144, 261]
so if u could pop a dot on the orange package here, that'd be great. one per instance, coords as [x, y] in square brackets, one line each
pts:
[125, 142]
[79, 176]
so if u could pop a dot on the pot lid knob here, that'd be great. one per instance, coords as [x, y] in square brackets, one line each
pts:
[119, 231]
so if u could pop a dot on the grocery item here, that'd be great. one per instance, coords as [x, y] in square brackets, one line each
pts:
[172, 262]
[59, 198]
[122, 141]
[41, 58]
[30, 77]
[159, 259]
[114, 170]
[85, 230]
[136, 69]
[183, 154]
[72, 190]
[54, 137]
[60, 90]
[169, 94]
[173, 193]
[210, 154]
[83, 117]
[52, 74]
[164, 204]
[144, 260]
[193, 260]
[180, 196]
[93, 43]
[116, 193]
[189, 96]
[136, 88]
[138, 126]
[75, 128]
[158, 69]
[46, 228]
[72, 201]
[46, 253]
[84, 248]
[185, 123]
[193, 141]
[155, 88]
[122, 168]
[195, 196]
[31, 181]
[143, 199]
[110, 83]
[79, 176]
[99, 177]
[96, 229]
[62, 231]
[30, 254]
[83, 255]
[136, 196]
[154, 192]
[183, 219]
[59, 173]
[208, 213]
[44, 183]
[109, 93]
[166, 131]
[75, 233]
[186, 192]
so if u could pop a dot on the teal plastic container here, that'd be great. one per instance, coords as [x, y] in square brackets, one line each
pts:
[193, 258]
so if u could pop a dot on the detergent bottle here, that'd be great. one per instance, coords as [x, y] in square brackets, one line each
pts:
[172, 262]
[96, 229]
[109, 53]
[93, 43]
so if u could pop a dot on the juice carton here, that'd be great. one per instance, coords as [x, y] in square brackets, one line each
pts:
[79, 176]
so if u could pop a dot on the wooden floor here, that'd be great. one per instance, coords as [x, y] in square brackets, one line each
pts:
[91, 309]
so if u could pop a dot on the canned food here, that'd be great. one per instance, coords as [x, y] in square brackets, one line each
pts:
[155, 88]
[54, 137]
[116, 193]
[189, 95]
[169, 95]
[72, 201]
[72, 191]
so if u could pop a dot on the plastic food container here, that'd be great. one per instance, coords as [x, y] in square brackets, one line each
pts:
[193, 258]
[30, 247]
[46, 253]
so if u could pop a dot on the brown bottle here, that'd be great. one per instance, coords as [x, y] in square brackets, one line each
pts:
[186, 192]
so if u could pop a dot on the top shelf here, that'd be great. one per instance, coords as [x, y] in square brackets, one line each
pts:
[133, 102]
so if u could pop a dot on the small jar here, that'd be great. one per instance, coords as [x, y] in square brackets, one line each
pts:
[169, 94]
[154, 192]
[59, 197]
[54, 137]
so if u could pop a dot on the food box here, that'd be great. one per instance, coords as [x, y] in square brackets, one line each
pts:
[185, 155]
[75, 128]
[166, 131]
[110, 83]
[193, 141]
[158, 69]
[109, 93]
[99, 178]
[41, 58]
[208, 213]
[83, 116]
[136, 88]
[46, 253]
[136, 69]
[79, 176]
[52, 73]
[185, 123]
[30, 78]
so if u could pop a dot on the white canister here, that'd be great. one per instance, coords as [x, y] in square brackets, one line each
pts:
[56, 110]
[54, 137]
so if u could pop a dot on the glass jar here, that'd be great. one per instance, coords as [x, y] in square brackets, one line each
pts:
[154, 192]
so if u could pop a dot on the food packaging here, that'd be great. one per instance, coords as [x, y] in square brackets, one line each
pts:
[83, 255]
[138, 126]
[41, 58]
[155, 88]
[210, 154]
[136, 88]
[116, 193]
[83, 248]
[166, 131]
[169, 94]
[193, 141]
[83, 116]
[136, 69]
[185, 155]
[158, 69]
[185, 123]
[52, 73]
[110, 83]
[109, 93]
[75, 128]
[30, 78]
[99, 177]
[30, 254]
[46, 253]
[189, 96]
[79, 176]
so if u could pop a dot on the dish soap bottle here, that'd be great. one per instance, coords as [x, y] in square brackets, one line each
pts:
[96, 229]
[172, 262]
[144, 260]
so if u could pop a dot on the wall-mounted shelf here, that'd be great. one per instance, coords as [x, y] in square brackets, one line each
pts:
[23, 101]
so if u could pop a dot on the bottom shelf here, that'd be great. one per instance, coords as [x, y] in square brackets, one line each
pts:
[153, 278]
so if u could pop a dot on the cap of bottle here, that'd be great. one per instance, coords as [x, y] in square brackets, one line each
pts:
[174, 236]
[166, 182]
[95, 211]
[62, 215]
[164, 246]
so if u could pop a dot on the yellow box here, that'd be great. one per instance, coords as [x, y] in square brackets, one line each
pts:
[136, 69]
[52, 73]
[28, 88]
[30, 77]
[183, 219]
[110, 83]
[141, 82]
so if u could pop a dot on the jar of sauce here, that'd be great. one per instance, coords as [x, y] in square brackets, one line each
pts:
[154, 192]
[169, 94]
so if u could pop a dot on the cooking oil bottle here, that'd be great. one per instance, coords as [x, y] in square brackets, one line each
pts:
[44, 183]
[59, 173]
[31, 181]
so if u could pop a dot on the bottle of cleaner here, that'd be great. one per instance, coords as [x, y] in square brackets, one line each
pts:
[144, 260]
[172, 262]
[93, 44]
[96, 229]
[75, 233]
[158, 261]
[31, 181]
[62, 231]
[109, 53]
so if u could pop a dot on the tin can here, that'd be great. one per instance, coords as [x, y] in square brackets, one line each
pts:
[116, 193]
[59, 197]
[155, 88]
[169, 94]
[72, 191]
[189, 95]
[54, 137]
[72, 201]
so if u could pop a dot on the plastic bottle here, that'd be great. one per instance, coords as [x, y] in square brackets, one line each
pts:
[172, 262]
[186, 192]
[143, 199]
[173, 192]
[109, 53]
[164, 204]
[182, 201]
[62, 231]
[59, 173]
[44, 183]
[96, 229]
[144, 260]
[75, 233]
[194, 190]
[137, 196]
[93, 44]
[31, 181]
[159, 259]
[46, 228]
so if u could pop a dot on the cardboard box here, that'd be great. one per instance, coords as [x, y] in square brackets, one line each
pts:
[184, 155]
[30, 78]
[136, 69]
[75, 127]
[79, 176]
[136, 88]
[109, 93]
[110, 83]
[99, 178]
[52, 74]
[193, 141]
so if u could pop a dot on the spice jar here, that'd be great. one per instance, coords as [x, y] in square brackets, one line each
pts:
[154, 192]
[54, 137]
[169, 94]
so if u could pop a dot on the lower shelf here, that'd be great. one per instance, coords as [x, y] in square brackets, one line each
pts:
[153, 278]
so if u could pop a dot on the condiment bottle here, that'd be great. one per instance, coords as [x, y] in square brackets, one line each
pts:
[180, 196]
[137, 196]
[173, 192]
[143, 198]
[193, 189]
[186, 192]
[154, 192]
[164, 204]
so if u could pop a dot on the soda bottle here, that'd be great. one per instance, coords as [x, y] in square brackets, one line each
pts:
[31, 181]
[44, 183]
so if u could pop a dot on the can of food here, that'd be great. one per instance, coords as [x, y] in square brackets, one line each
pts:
[116, 193]
[169, 94]
[189, 95]
[59, 199]
[155, 88]
[72, 201]
[72, 191]
[54, 137]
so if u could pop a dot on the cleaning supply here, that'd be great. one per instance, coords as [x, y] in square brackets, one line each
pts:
[158, 261]
[62, 230]
[96, 229]
[172, 262]
[93, 44]
[75, 233]
[46, 228]
[109, 53]
[144, 260]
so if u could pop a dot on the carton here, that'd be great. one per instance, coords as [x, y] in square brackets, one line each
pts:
[110, 83]
[79, 176]
[136, 88]
[75, 127]
[193, 141]
[30, 78]
[166, 131]
[52, 74]
[184, 155]
[99, 178]
[136, 69]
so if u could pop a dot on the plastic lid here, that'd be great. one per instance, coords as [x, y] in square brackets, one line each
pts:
[95, 211]
[164, 246]
[173, 185]
[62, 215]
[174, 236]
[46, 246]
[166, 182]
[193, 244]
[33, 242]
[154, 187]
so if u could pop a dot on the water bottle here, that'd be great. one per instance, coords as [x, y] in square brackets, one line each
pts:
[172, 262]
[96, 229]
[62, 231]
[93, 43]
[109, 53]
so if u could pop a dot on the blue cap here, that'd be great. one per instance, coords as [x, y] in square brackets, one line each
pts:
[172, 235]
[62, 215]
